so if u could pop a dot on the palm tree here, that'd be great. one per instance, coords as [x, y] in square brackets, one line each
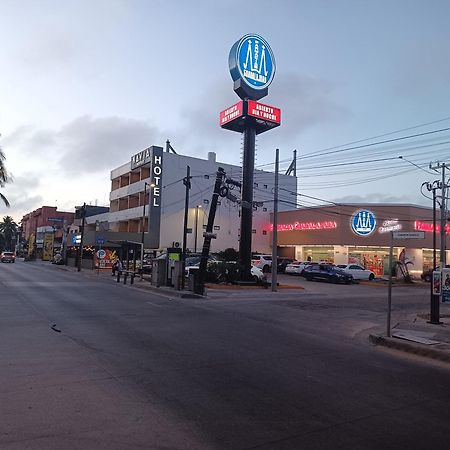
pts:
[9, 229]
[3, 177]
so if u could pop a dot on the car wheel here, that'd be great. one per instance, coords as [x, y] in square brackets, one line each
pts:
[255, 278]
[335, 280]
[427, 278]
[266, 269]
[371, 277]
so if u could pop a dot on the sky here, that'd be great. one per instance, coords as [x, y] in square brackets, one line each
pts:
[84, 85]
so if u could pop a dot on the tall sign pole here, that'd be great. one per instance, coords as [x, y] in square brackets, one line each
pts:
[252, 68]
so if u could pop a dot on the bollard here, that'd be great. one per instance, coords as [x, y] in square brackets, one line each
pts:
[118, 277]
[132, 278]
[125, 278]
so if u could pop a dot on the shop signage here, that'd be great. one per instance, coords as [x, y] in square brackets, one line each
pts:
[408, 235]
[389, 225]
[47, 253]
[264, 112]
[301, 226]
[424, 226]
[154, 217]
[251, 60]
[55, 219]
[141, 158]
[436, 282]
[232, 113]
[363, 222]
[445, 285]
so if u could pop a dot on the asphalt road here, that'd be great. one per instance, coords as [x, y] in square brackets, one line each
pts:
[87, 363]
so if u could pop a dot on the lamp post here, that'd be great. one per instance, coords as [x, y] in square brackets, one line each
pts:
[196, 227]
[143, 230]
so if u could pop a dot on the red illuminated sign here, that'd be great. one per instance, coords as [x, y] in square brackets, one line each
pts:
[264, 112]
[231, 113]
[301, 226]
[423, 226]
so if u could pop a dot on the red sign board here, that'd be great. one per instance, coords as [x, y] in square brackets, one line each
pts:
[301, 226]
[424, 226]
[231, 113]
[264, 112]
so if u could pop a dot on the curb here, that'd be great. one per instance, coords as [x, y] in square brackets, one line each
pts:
[416, 349]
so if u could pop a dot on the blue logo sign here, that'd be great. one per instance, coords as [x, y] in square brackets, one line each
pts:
[100, 240]
[252, 60]
[363, 222]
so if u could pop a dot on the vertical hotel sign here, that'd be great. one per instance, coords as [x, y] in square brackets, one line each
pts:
[155, 198]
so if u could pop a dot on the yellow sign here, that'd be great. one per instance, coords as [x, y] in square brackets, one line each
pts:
[31, 244]
[47, 253]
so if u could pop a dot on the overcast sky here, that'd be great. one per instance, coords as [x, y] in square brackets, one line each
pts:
[84, 85]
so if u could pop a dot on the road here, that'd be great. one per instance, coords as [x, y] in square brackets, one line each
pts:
[87, 363]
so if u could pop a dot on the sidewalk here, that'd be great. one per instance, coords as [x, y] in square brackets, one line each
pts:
[415, 335]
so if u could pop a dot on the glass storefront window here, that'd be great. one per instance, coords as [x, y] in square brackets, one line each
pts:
[428, 258]
[318, 253]
[375, 259]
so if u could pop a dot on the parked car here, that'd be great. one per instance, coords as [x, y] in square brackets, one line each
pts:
[282, 263]
[297, 267]
[327, 272]
[263, 262]
[427, 274]
[8, 257]
[358, 272]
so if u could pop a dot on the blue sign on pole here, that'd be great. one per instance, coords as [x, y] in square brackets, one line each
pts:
[363, 222]
[251, 60]
[100, 240]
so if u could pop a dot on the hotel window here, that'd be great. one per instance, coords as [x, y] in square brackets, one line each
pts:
[256, 184]
[265, 186]
[264, 232]
[206, 177]
[254, 231]
[264, 209]
[217, 227]
[206, 201]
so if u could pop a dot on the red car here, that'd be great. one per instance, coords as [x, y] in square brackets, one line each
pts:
[9, 257]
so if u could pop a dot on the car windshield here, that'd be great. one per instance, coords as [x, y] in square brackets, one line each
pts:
[342, 266]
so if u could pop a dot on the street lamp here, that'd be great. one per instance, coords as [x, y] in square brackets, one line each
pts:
[196, 227]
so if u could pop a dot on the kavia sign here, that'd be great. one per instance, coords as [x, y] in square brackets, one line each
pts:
[363, 222]
[252, 66]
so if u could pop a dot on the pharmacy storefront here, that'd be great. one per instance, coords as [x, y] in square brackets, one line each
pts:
[358, 233]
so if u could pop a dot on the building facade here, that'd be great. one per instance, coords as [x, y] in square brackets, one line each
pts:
[357, 233]
[133, 189]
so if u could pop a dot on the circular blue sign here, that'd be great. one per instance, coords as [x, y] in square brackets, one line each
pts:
[363, 222]
[251, 59]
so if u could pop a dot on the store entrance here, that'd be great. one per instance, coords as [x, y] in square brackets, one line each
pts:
[374, 259]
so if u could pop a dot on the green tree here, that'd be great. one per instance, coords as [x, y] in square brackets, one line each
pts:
[4, 177]
[9, 229]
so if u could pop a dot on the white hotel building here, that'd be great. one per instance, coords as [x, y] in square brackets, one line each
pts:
[127, 201]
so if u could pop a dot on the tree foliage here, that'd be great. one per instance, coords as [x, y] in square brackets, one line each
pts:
[8, 228]
[4, 177]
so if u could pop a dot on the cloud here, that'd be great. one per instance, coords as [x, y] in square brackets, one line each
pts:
[375, 198]
[304, 101]
[22, 195]
[97, 144]
[86, 144]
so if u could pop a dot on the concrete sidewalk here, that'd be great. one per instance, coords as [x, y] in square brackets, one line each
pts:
[417, 336]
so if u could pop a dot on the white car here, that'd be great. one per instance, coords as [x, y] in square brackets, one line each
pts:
[263, 262]
[358, 272]
[296, 268]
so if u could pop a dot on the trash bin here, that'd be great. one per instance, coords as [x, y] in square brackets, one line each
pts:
[192, 279]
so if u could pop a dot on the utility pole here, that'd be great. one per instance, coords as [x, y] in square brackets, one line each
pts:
[275, 224]
[187, 183]
[80, 249]
[208, 234]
